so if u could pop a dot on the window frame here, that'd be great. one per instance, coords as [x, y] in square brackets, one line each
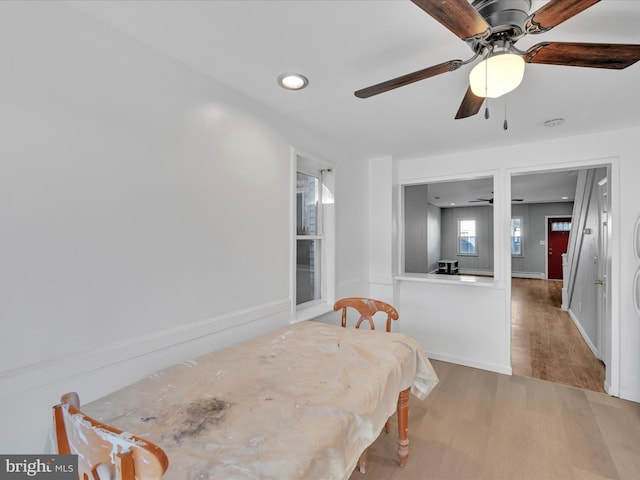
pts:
[520, 218]
[318, 237]
[310, 165]
[475, 237]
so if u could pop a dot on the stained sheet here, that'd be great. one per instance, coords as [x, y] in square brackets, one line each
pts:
[301, 402]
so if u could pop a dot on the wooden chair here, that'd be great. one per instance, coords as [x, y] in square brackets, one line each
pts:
[367, 308]
[104, 452]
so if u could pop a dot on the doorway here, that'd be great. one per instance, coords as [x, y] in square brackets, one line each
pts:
[563, 326]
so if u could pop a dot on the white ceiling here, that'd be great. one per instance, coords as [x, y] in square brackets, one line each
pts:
[342, 46]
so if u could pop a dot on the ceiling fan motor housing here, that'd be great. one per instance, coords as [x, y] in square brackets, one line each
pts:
[506, 17]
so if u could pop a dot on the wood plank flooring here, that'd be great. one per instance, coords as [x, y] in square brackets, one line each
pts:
[483, 425]
[545, 343]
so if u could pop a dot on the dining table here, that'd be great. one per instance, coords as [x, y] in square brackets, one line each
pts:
[301, 402]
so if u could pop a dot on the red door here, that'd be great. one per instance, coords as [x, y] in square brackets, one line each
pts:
[558, 238]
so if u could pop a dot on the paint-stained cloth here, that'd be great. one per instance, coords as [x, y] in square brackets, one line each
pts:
[302, 402]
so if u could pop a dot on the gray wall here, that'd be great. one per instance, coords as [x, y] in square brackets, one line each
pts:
[533, 224]
[431, 234]
[415, 231]
[422, 231]
[533, 232]
[481, 263]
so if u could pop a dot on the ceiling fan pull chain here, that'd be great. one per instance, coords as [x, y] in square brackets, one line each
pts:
[486, 98]
[505, 125]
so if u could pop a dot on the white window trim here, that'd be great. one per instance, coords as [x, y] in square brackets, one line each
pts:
[460, 254]
[521, 218]
[312, 165]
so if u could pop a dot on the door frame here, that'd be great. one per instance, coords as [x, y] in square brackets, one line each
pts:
[603, 269]
[546, 242]
[612, 378]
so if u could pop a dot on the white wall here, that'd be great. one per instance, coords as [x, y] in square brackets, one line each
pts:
[383, 260]
[459, 325]
[616, 147]
[145, 214]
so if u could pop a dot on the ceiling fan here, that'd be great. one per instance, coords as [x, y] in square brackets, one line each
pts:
[491, 28]
[490, 200]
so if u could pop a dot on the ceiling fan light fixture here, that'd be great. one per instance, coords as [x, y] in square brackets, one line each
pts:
[497, 75]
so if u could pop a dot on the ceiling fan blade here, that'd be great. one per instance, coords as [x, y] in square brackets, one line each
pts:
[470, 105]
[555, 12]
[597, 55]
[403, 80]
[457, 15]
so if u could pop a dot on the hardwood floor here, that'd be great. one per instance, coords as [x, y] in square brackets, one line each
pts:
[545, 343]
[484, 425]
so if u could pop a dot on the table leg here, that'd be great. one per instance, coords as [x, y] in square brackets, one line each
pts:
[403, 426]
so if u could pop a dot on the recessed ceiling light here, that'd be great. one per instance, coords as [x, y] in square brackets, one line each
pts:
[292, 81]
[452, 203]
[565, 198]
[554, 122]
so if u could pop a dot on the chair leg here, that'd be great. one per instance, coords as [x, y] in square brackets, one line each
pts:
[403, 427]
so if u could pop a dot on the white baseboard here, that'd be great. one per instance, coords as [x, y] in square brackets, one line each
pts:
[586, 338]
[565, 299]
[491, 367]
[607, 387]
[632, 394]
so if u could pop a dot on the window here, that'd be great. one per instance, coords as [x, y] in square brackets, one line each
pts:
[561, 226]
[467, 237]
[308, 238]
[516, 237]
[313, 255]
